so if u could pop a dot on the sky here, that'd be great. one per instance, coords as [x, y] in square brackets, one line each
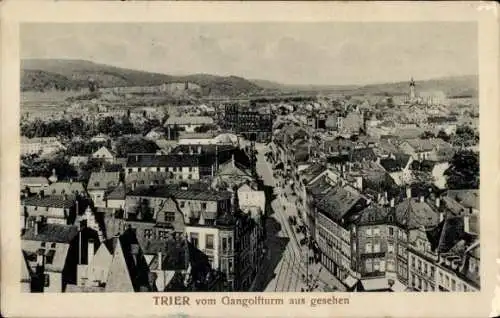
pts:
[330, 53]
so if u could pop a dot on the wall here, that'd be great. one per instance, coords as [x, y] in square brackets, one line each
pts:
[55, 283]
[202, 242]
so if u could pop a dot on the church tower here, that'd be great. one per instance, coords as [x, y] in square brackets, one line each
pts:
[412, 90]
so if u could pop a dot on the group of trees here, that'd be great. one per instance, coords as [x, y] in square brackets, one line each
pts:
[464, 136]
[463, 172]
[126, 145]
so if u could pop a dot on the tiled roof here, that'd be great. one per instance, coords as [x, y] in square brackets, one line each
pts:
[360, 154]
[55, 233]
[397, 164]
[374, 214]
[338, 202]
[411, 213]
[170, 160]
[103, 180]
[427, 144]
[312, 172]
[34, 181]
[467, 198]
[193, 192]
[118, 193]
[51, 201]
[146, 177]
[66, 187]
[189, 120]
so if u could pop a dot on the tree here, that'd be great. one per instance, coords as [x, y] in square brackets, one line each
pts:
[463, 172]
[426, 135]
[135, 145]
[443, 135]
[465, 137]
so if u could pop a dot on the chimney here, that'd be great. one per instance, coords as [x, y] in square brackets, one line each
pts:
[90, 251]
[422, 198]
[134, 250]
[441, 216]
[160, 261]
[392, 202]
[438, 202]
[466, 223]
[408, 192]
[40, 258]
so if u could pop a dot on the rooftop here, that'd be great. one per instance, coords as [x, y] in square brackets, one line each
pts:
[51, 201]
[103, 180]
[54, 233]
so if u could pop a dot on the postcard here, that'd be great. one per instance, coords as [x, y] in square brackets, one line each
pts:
[213, 159]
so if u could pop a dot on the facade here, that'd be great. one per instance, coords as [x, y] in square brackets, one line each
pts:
[183, 167]
[188, 123]
[104, 154]
[42, 146]
[100, 184]
[253, 125]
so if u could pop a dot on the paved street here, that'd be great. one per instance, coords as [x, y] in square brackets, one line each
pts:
[285, 265]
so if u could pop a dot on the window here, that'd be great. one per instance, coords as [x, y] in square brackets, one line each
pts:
[230, 265]
[139, 170]
[50, 256]
[148, 233]
[426, 268]
[376, 231]
[209, 241]
[203, 205]
[368, 232]
[453, 285]
[163, 235]
[182, 204]
[169, 217]
[211, 261]
[230, 243]
[391, 231]
[47, 280]
[194, 239]
[419, 265]
[447, 281]
[368, 247]
[53, 245]
[158, 169]
[190, 177]
[441, 278]
[190, 169]
[465, 288]
[129, 170]
[390, 247]
[43, 244]
[369, 265]
[412, 261]
[376, 247]
[376, 265]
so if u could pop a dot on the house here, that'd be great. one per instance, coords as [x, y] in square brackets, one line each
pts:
[398, 168]
[421, 149]
[335, 213]
[53, 252]
[41, 146]
[35, 184]
[165, 145]
[100, 184]
[104, 154]
[116, 198]
[77, 161]
[150, 178]
[118, 265]
[232, 174]
[155, 134]
[100, 138]
[194, 138]
[378, 245]
[55, 209]
[250, 199]
[183, 166]
[62, 188]
[188, 123]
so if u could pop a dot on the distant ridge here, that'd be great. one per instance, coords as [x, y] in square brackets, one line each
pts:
[66, 74]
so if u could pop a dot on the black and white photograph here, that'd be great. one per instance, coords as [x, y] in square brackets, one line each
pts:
[249, 157]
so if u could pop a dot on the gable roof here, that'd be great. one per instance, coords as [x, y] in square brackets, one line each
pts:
[468, 198]
[54, 233]
[338, 202]
[411, 214]
[119, 279]
[103, 180]
[50, 201]
[26, 181]
[170, 160]
[312, 172]
[397, 164]
[59, 188]
[104, 151]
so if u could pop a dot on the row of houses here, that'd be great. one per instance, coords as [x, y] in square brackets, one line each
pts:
[155, 229]
[380, 212]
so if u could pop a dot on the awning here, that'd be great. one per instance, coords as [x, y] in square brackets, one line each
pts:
[350, 281]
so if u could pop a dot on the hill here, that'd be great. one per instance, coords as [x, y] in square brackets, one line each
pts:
[46, 74]
[456, 86]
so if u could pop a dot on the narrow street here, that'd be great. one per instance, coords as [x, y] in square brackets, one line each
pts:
[284, 267]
